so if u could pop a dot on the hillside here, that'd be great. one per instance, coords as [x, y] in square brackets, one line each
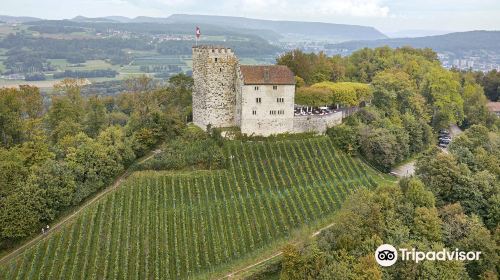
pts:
[326, 31]
[14, 19]
[183, 224]
[458, 42]
[291, 29]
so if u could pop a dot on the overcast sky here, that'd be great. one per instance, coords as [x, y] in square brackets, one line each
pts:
[386, 15]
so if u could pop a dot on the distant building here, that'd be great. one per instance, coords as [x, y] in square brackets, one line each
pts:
[494, 107]
[257, 99]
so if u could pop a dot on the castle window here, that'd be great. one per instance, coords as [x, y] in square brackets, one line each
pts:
[256, 88]
[280, 99]
[220, 69]
[272, 112]
[216, 59]
[254, 112]
[275, 87]
[258, 100]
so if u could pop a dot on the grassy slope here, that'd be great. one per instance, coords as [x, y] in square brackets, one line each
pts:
[186, 224]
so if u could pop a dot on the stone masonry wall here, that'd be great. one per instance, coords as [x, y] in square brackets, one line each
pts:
[316, 123]
[214, 98]
[263, 122]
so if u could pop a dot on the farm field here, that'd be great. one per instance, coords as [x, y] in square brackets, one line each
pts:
[178, 225]
[62, 65]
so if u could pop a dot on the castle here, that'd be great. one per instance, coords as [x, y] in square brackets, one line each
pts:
[257, 99]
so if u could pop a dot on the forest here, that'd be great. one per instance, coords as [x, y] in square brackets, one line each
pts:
[54, 157]
[411, 94]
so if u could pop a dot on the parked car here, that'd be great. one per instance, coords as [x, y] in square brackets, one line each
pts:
[444, 131]
[447, 138]
[443, 145]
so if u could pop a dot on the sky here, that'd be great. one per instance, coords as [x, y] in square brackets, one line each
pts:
[386, 15]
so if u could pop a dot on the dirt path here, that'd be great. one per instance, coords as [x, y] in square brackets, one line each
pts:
[235, 273]
[56, 227]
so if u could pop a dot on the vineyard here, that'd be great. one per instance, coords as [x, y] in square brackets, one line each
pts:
[168, 225]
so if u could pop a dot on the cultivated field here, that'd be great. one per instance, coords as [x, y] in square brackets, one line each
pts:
[175, 225]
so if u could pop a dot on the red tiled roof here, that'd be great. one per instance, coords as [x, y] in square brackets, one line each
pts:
[267, 75]
[493, 106]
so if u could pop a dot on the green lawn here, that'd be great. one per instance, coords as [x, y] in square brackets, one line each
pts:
[179, 225]
[62, 65]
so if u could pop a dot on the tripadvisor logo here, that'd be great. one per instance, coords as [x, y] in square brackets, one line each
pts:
[387, 255]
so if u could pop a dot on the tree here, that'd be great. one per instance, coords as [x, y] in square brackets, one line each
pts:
[416, 194]
[20, 213]
[452, 182]
[91, 164]
[19, 110]
[384, 147]
[12, 171]
[118, 146]
[474, 105]
[345, 93]
[300, 63]
[396, 93]
[442, 90]
[345, 137]
[491, 84]
[419, 133]
[57, 182]
[426, 225]
[442, 175]
[95, 117]
[66, 113]
[309, 96]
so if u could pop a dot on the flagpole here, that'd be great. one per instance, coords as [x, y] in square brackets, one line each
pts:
[197, 35]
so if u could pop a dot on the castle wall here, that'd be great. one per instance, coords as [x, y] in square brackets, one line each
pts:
[264, 122]
[214, 98]
[316, 123]
[238, 108]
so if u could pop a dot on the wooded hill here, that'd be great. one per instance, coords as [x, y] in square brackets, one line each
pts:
[458, 42]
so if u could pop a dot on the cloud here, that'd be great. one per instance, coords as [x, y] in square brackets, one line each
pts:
[311, 8]
[278, 9]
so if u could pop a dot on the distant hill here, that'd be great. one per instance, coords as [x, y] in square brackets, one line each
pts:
[118, 18]
[150, 27]
[272, 30]
[413, 33]
[12, 19]
[98, 19]
[294, 29]
[459, 42]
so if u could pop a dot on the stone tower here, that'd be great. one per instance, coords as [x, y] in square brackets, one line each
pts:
[214, 93]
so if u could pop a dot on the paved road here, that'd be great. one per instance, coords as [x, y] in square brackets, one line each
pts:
[407, 169]
[455, 130]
